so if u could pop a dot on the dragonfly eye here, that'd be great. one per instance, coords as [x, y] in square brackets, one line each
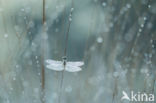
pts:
[64, 58]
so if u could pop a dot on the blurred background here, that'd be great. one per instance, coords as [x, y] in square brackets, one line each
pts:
[115, 38]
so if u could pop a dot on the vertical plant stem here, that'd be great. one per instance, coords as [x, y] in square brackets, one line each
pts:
[65, 53]
[61, 86]
[67, 33]
[44, 17]
[42, 55]
[115, 90]
[153, 88]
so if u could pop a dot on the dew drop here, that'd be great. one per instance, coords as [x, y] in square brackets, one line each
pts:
[72, 9]
[104, 4]
[5, 35]
[70, 19]
[99, 40]
[68, 89]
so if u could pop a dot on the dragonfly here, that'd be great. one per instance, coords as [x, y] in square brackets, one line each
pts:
[71, 66]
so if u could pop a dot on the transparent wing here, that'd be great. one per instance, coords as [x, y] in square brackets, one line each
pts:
[78, 63]
[70, 68]
[54, 67]
[53, 62]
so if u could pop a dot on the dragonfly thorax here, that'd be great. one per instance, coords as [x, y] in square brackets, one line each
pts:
[64, 62]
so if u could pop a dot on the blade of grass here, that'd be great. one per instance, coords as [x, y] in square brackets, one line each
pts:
[65, 52]
[42, 55]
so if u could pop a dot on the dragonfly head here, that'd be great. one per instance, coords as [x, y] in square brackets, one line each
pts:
[64, 58]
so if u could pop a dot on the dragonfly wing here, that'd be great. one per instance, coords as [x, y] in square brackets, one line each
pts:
[54, 67]
[49, 61]
[70, 68]
[78, 63]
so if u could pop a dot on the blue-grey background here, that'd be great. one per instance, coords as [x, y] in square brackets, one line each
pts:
[115, 38]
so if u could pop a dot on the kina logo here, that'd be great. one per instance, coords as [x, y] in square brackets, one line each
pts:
[137, 97]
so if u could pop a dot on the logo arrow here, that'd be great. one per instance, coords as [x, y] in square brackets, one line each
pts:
[125, 96]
